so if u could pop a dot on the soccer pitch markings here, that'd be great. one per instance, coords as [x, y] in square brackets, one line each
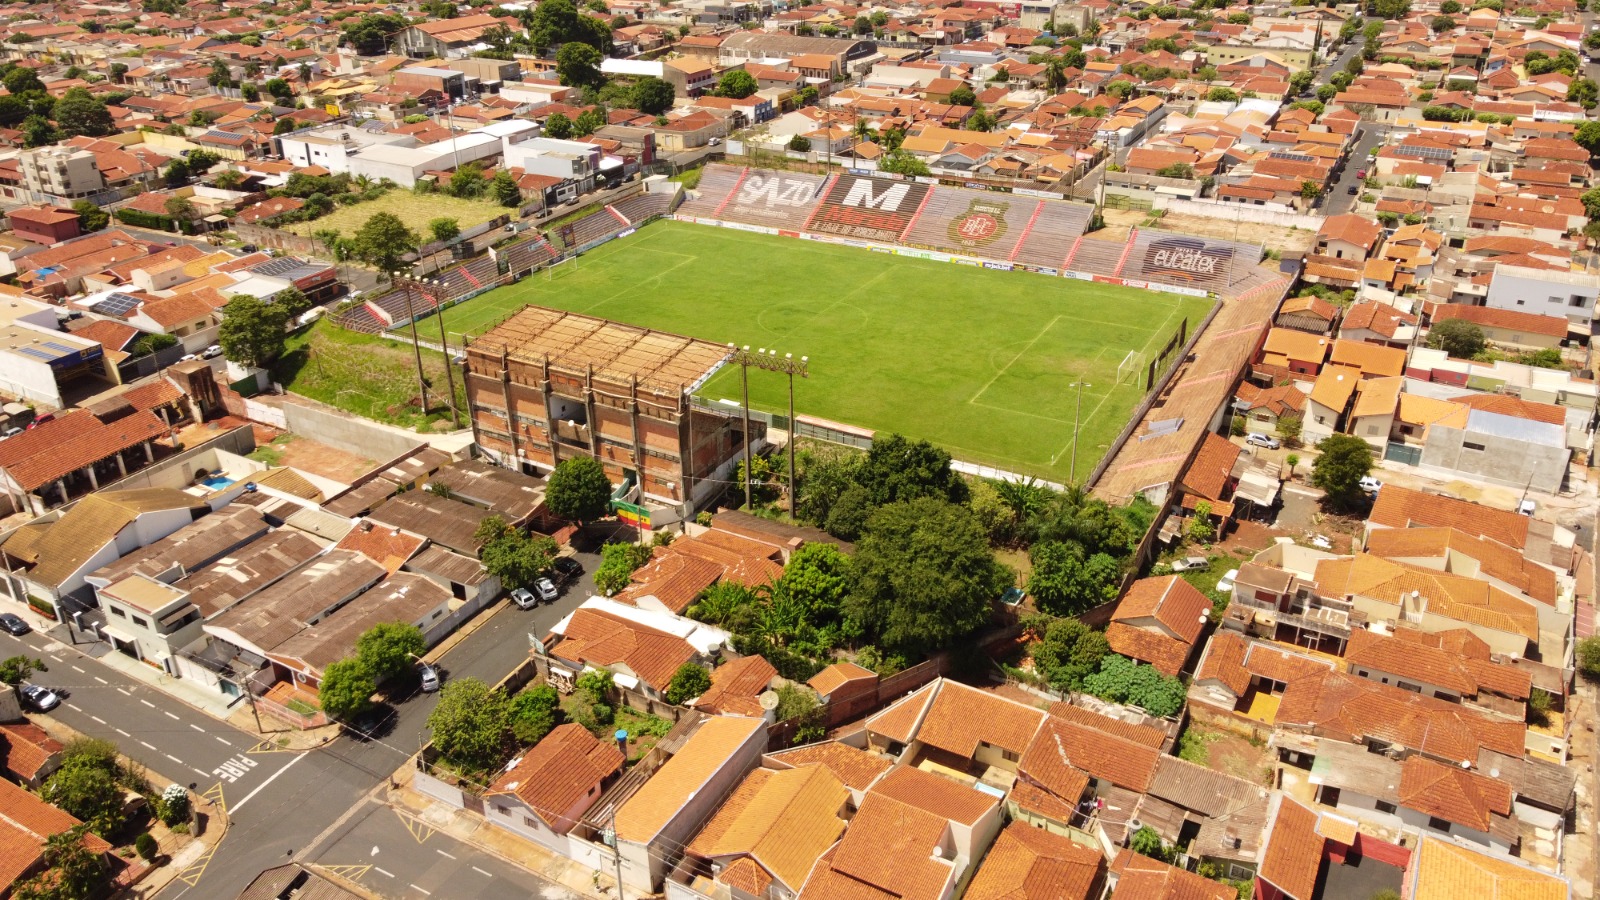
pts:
[975, 360]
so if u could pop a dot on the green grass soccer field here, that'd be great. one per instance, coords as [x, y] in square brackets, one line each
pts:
[975, 360]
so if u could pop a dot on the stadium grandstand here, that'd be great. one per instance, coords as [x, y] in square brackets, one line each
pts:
[1011, 228]
[525, 255]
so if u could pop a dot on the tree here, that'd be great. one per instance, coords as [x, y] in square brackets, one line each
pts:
[1588, 137]
[177, 173]
[370, 34]
[578, 65]
[444, 229]
[557, 22]
[1344, 461]
[558, 126]
[1121, 680]
[800, 143]
[1301, 81]
[1441, 24]
[1310, 190]
[897, 469]
[382, 240]
[1583, 92]
[690, 681]
[181, 209]
[1222, 94]
[1069, 652]
[79, 113]
[74, 871]
[512, 556]
[736, 83]
[653, 96]
[346, 689]
[923, 575]
[388, 648]
[962, 95]
[1457, 337]
[618, 562]
[578, 490]
[471, 724]
[1589, 657]
[86, 787]
[1146, 842]
[588, 122]
[1391, 10]
[980, 121]
[22, 80]
[534, 713]
[93, 218]
[1065, 582]
[1288, 429]
[18, 669]
[294, 302]
[279, 88]
[504, 189]
[284, 126]
[818, 578]
[902, 162]
[252, 330]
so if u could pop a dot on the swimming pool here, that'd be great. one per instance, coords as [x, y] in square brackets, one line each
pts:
[218, 482]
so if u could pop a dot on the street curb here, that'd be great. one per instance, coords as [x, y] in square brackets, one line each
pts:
[461, 634]
[354, 887]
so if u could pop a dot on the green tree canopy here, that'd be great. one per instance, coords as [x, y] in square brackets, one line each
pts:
[534, 712]
[690, 681]
[923, 575]
[347, 688]
[93, 218]
[1457, 337]
[370, 34]
[558, 126]
[652, 96]
[17, 669]
[471, 724]
[383, 240]
[388, 648]
[618, 561]
[578, 490]
[1345, 459]
[444, 228]
[516, 558]
[504, 188]
[557, 22]
[1065, 582]
[963, 95]
[86, 787]
[73, 871]
[251, 333]
[578, 65]
[1069, 652]
[79, 113]
[1121, 680]
[736, 83]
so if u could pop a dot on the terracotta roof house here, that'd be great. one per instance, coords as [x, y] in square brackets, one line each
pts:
[553, 784]
[639, 655]
[736, 688]
[1028, 863]
[670, 808]
[1159, 621]
[28, 754]
[772, 829]
[26, 822]
[1151, 879]
[1293, 854]
[1445, 870]
[843, 680]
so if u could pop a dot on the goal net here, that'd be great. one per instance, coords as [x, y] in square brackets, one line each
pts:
[1128, 369]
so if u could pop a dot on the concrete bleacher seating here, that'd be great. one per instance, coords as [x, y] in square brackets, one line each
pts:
[1097, 257]
[869, 209]
[975, 223]
[1171, 258]
[717, 181]
[526, 255]
[774, 199]
[592, 227]
[1055, 229]
[642, 206]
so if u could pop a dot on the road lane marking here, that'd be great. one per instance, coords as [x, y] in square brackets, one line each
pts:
[71, 707]
[274, 777]
[123, 733]
[384, 872]
[98, 719]
[224, 741]
[421, 891]
[123, 692]
[103, 681]
[80, 670]
[481, 872]
[442, 853]
[198, 728]
[191, 875]
[418, 828]
[169, 715]
[201, 772]
[231, 770]
[58, 659]
[353, 873]
[173, 758]
[151, 746]
[147, 703]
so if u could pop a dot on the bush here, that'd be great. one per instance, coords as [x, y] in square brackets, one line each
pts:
[173, 806]
[690, 681]
[1589, 657]
[1121, 680]
[146, 846]
[534, 713]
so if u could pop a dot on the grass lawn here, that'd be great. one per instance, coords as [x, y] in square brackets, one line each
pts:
[363, 374]
[415, 210]
[975, 360]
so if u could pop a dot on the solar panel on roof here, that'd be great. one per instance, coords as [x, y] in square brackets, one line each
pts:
[36, 353]
[1297, 157]
[55, 346]
[1424, 152]
[116, 305]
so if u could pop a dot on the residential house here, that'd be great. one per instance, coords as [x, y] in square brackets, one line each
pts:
[641, 648]
[552, 784]
[1159, 621]
[769, 833]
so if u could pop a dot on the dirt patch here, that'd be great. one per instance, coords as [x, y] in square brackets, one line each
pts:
[1289, 240]
[320, 459]
[1233, 755]
[1250, 537]
[1013, 692]
[1118, 223]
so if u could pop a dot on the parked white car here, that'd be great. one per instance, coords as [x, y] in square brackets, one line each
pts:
[1225, 585]
[1370, 485]
[1257, 439]
[1190, 563]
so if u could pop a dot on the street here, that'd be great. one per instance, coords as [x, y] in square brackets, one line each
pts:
[264, 788]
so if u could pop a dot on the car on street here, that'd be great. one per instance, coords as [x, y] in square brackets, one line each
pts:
[188, 357]
[1225, 583]
[1351, 190]
[1361, 173]
[1190, 563]
[1370, 485]
[430, 679]
[566, 568]
[524, 598]
[40, 420]
[211, 352]
[546, 589]
[13, 624]
[1257, 439]
[38, 698]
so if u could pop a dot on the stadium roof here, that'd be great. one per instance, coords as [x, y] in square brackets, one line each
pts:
[662, 362]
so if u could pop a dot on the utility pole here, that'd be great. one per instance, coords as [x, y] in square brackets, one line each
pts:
[769, 360]
[449, 361]
[416, 348]
[1076, 411]
[616, 850]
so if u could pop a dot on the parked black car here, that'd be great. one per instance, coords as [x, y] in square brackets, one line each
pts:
[13, 624]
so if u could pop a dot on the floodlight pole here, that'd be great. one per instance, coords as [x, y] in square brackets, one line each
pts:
[422, 380]
[1076, 411]
[787, 365]
[444, 343]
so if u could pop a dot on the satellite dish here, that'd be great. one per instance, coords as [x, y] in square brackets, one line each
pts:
[768, 699]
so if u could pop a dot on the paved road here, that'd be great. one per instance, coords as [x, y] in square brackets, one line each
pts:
[395, 854]
[1339, 199]
[277, 811]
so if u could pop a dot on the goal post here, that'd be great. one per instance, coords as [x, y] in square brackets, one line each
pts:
[570, 262]
[1128, 369]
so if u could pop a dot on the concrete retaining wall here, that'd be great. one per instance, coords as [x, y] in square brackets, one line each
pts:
[346, 432]
[1239, 212]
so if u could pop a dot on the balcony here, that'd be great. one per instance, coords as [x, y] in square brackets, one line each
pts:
[572, 433]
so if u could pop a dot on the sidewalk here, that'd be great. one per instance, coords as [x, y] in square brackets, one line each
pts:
[475, 830]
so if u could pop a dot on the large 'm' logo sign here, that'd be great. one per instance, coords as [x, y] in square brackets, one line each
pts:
[869, 209]
[889, 201]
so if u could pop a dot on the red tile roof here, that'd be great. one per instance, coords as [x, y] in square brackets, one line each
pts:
[1293, 853]
[552, 777]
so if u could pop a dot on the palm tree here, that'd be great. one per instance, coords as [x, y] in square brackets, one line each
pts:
[1024, 498]
[717, 603]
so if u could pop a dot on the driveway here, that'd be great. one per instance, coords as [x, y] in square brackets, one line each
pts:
[1300, 507]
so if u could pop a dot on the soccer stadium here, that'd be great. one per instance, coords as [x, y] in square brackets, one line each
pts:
[924, 309]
